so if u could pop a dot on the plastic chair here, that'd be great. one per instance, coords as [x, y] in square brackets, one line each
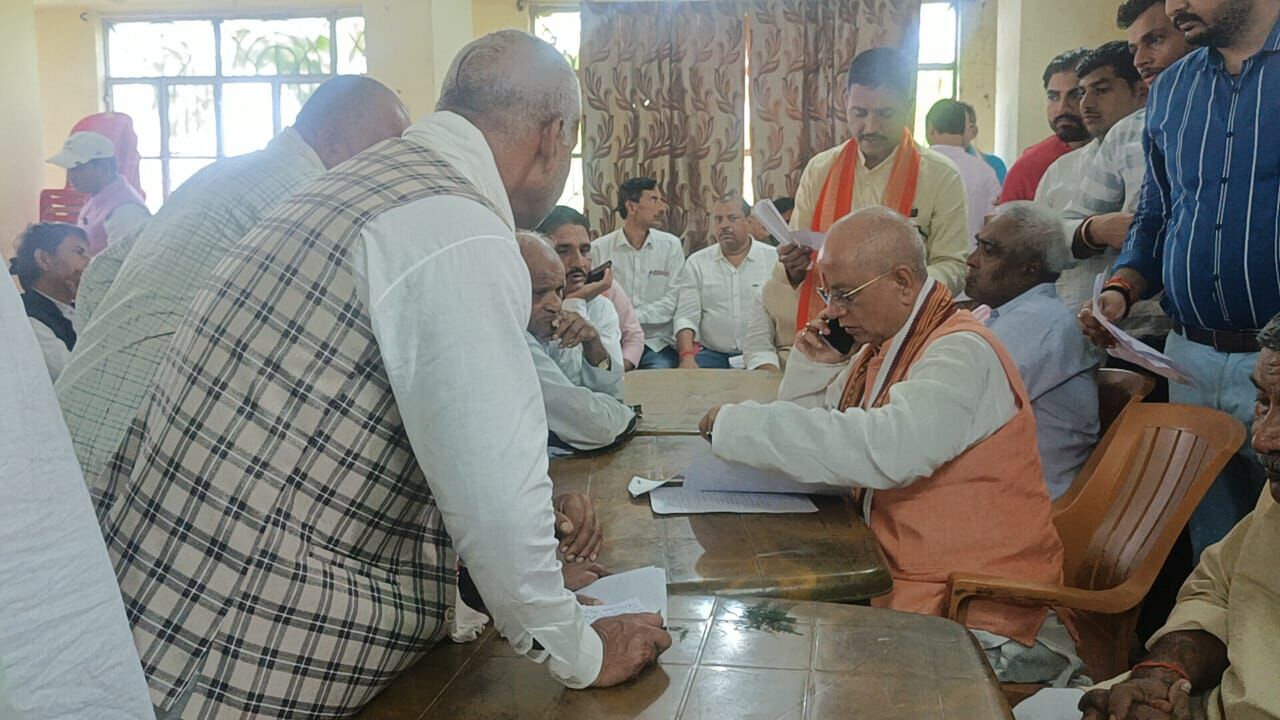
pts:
[1120, 528]
[1118, 390]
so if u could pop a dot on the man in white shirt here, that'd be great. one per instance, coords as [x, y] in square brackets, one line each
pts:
[945, 125]
[646, 261]
[718, 287]
[368, 416]
[1112, 90]
[576, 351]
[65, 650]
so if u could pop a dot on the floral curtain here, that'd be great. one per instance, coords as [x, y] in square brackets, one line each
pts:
[663, 94]
[799, 58]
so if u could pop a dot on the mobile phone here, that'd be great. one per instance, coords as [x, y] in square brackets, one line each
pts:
[838, 338]
[597, 275]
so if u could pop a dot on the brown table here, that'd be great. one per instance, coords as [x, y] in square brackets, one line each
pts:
[675, 400]
[843, 662]
[829, 555]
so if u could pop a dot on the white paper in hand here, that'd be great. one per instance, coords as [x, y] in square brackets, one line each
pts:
[767, 213]
[647, 587]
[1133, 350]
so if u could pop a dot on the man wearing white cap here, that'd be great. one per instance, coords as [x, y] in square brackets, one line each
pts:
[114, 208]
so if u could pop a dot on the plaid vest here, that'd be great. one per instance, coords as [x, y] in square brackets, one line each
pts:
[276, 542]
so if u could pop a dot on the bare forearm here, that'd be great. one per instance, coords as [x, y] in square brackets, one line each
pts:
[594, 351]
[684, 341]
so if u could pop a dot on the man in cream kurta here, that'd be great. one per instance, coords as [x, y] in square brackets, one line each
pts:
[1216, 657]
[930, 420]
[146, 282]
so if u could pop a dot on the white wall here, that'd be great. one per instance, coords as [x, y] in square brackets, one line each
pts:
[20, 127]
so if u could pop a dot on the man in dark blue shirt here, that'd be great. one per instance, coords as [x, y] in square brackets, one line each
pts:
[1207, 229]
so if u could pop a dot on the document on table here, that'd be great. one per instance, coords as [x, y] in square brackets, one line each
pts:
[709, 473]
[642, 590]
[1133, 350]
[767, 213]
[682, 501]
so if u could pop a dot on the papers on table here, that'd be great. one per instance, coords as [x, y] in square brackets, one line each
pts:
[642, 590]
[709, 473]
[679, 501]
[768, 215]
[1132, 350]
[639, 486]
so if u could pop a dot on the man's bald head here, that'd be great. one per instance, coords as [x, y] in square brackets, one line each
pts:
[873, 266]
[546, 274]
[524, 96]
[348, 114]
[879, 239]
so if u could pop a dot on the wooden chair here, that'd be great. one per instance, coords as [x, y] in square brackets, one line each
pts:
[1121, 526]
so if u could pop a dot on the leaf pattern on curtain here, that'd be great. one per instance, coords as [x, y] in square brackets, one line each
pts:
[800, 52]
[663, 94]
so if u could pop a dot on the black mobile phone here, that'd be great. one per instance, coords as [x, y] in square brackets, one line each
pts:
[839, 339]
[597, 275]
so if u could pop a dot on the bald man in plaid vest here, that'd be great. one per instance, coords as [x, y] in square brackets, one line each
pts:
[350, 400]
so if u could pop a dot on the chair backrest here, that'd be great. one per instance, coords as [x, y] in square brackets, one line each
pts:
[61, 205]
[118, 128]
[1117, 390]
[1160, 462]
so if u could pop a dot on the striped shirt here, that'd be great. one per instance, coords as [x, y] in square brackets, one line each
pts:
[1207, 228]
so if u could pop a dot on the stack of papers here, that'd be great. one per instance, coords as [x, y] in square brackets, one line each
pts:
[768, 215]
[1131, 349]
[642, 590]
[712, 485]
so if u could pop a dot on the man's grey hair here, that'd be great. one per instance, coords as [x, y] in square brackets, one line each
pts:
[1037, 234]
[508, 79]
[1269, 336]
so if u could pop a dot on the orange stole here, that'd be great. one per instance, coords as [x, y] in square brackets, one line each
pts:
[836, 201]
[986, 511]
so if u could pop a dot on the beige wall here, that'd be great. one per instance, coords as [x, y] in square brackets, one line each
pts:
[69, 48]
[1030, 34]
[490, 15]
[977, 82]
[410, 43]
[20, 140]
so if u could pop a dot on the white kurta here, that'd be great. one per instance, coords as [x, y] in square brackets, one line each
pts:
[65, 646]
[583, 417]
[573, 362]
[648, 276]
[55, 351]
[483, 434]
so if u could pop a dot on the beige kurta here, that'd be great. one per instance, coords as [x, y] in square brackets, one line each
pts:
[940, 209]
[1234, 593]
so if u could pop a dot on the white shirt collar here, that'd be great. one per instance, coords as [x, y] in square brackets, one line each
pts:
[463, 145]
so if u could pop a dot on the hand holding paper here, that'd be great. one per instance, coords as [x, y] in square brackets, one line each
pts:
[768, 215]
[1131, 349]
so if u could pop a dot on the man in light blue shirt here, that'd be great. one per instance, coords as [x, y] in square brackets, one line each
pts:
[1018, 258]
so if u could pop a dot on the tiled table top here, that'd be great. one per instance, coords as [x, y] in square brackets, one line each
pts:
[675, 400]
[841, 662]
[829, 555]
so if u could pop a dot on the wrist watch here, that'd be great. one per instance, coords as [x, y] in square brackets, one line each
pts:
[604, 364]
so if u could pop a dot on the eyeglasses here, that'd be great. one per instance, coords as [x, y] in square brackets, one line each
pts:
[846, 297]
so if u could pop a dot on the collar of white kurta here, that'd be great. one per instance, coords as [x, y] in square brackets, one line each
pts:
[290, 142]
[455, 139]
[895, 345]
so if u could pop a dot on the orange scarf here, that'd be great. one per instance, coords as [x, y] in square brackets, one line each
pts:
[836, 201]
[936, 309]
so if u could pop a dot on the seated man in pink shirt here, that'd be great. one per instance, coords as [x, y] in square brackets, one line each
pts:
[569, 231]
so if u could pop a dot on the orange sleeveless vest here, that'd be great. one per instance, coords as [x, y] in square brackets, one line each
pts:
[986, 511]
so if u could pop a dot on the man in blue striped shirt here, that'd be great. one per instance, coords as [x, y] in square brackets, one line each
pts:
[1207, 228]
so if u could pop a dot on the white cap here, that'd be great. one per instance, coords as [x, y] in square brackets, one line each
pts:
[83, 147]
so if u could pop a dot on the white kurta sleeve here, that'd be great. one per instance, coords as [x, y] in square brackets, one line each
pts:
[585, 419]
[955, 396]
[757, 348]
[54, 350]
[600, 313]
[452, 338]
[688, 315]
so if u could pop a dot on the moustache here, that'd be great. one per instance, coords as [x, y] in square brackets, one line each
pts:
[876, 137]
[576, 274]
[1186, 17]
[1066, 117]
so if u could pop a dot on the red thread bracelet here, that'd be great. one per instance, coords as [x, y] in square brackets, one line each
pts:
[1172, 667]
